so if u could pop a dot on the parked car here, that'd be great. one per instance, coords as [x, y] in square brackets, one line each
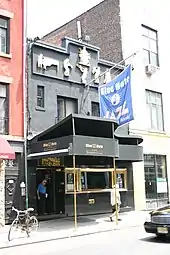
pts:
[158, 221]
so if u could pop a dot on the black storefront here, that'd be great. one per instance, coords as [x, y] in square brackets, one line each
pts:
[93, 142]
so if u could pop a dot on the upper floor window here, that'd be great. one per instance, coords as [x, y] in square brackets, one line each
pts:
[40, 96]
[155, 110]
[150, 46]
[4, 35]
[66, 106]
[95, 109]
[3, 109]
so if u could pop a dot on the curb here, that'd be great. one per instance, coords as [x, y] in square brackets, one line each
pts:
[66, 237]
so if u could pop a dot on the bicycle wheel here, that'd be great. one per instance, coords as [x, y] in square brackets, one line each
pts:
[33, 224]
[14, 227]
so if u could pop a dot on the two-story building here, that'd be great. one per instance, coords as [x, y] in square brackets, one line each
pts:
[63, 107]
[11, 102]
[121, 28]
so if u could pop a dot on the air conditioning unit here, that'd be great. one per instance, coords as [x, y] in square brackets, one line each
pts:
[150, 69]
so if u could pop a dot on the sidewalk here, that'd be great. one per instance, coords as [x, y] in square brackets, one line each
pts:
[64, 228]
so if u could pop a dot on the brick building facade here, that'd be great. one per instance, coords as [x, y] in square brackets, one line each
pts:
[11, 98]
[101, 23]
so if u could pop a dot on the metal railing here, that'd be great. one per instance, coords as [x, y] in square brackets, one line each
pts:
[4, 125]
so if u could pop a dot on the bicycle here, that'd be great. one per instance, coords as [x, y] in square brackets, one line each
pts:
[23, 222]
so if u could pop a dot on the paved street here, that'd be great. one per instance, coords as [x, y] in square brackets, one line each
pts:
[124, 242]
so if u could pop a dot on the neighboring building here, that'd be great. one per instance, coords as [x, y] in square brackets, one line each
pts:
[57, 87]
[120, 28]
[11, 99]
[100, 26]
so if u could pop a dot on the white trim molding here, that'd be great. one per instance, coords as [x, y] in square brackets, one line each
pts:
[5, 55]
[13, 138]
[45, 153]
[5, 79]
[6, 13]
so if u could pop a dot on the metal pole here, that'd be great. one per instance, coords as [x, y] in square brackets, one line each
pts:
[115, 177]
[87, 84]
[75, 195]
[25, 94]
[117, 64]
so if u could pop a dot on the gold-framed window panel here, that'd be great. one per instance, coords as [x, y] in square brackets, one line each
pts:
[81, 185]
[121, 176]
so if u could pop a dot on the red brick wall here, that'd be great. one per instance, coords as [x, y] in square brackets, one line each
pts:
[101, 23]
[13, 66]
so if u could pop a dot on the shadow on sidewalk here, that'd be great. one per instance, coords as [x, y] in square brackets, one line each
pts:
[65, 223]
[156, 239]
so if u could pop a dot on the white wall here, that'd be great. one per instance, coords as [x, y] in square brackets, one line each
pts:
[154, 14]
[139, 186]
[133, 14]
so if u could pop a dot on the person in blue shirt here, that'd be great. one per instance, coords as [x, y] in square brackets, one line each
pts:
[42, 195]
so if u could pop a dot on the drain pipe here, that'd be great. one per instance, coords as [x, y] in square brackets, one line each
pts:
[24, 52]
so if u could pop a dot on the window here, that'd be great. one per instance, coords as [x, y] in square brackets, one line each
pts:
[40, 96]
[96, 180]
[155, 176]
[150, 46]
[3, 109]
[95, 111]
[4, 35]
[66, 106]
[91, 179]
[121, 178]
[155, 110]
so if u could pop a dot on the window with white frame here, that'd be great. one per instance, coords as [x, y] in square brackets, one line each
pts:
[150, 46]
[4, 35]
[155, 110]
[3, 109]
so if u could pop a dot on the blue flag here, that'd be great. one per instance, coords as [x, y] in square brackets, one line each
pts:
[115, 98]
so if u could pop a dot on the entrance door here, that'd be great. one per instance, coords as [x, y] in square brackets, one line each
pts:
[55, 203]
[49, 176]
[59, 191]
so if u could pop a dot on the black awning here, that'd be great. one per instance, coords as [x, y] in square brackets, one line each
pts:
[133, 153]
[129, 139]
[81, 135]
[80, 124]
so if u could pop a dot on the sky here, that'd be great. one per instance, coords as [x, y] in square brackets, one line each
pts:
[43, 16]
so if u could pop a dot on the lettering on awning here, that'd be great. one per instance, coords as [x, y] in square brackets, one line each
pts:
[50, 146]
[94, 148]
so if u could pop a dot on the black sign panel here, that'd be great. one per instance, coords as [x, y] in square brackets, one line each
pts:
[132, 153]
[94, 146]
[51, 145]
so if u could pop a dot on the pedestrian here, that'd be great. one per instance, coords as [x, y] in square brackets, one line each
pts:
[42, 195]
[113, 199]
